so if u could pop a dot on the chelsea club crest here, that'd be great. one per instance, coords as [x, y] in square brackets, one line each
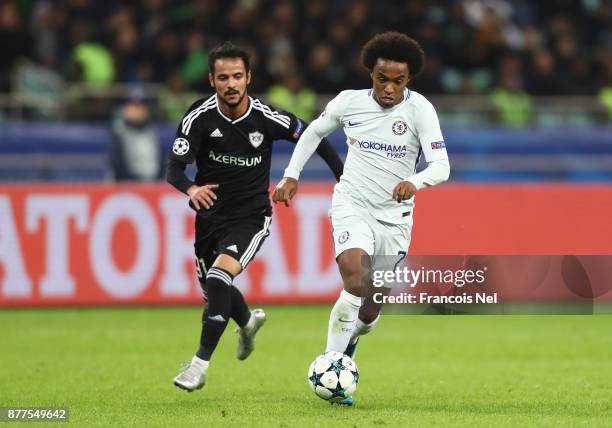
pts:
[399, 127]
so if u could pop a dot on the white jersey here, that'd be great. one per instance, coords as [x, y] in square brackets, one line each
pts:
[384, 146]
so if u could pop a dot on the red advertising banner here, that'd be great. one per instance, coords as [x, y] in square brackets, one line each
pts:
[133, 244]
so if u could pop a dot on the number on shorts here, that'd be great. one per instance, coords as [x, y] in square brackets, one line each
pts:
[200, 268]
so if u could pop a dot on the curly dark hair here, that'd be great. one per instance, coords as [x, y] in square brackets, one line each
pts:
[228, 50]
[394, 46]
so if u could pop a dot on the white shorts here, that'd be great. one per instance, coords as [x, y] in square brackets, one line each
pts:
[354, 227]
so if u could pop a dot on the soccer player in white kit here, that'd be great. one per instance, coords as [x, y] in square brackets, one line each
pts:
[388, 127]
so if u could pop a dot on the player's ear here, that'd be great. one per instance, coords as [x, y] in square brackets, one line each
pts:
[248, 80]
[211, 80]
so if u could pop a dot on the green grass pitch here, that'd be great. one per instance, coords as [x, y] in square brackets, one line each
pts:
[115, 367]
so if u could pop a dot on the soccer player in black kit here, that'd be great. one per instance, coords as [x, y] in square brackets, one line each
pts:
[229, 136]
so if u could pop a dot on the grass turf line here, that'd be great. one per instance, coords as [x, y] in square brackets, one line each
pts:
[115, 367]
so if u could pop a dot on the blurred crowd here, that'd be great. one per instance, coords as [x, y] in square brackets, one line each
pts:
[302, 48]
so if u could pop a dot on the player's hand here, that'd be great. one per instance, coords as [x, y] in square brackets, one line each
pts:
[403, 191]
[202, 196]
[285, 190]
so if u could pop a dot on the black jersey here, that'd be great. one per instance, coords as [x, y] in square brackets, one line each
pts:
[234, 153]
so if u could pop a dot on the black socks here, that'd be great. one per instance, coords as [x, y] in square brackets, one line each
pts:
[218, 312]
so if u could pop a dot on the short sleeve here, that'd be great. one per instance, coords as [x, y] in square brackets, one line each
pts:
[429, 132]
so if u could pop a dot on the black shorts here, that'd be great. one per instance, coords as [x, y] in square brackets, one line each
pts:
[239, 238]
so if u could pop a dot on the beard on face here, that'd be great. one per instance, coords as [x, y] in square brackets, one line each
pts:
[233, 103]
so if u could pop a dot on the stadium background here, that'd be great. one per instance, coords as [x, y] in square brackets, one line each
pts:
[524, 93]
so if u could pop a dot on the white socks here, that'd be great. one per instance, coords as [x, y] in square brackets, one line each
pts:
[199, 363]
[362, 328]
[342, 321]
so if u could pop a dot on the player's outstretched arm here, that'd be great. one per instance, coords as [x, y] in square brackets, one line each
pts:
[331, 158]
[307, 144]
[309, 141]
[285, 190]
[313, 138]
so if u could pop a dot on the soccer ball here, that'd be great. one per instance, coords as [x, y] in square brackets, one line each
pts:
[333, 376]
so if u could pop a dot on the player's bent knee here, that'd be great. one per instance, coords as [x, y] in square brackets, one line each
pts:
[353, 284]
[352, 277]
[353, 270]
[228, 263]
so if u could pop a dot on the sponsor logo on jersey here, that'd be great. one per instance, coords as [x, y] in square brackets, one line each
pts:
[235, 160]
[256, 138]
[344, 236]
[216, 133]
[180, 146]
[438, 145]
[399, 127]
[390, 150]
[351, 124]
